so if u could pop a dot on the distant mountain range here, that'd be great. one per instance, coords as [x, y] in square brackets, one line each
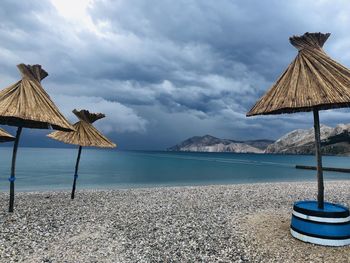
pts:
[335, 141]
[210, 143]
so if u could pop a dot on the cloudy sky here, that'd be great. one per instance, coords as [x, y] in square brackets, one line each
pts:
[166, 70]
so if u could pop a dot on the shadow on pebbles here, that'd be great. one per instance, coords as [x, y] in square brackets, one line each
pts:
[267, 233]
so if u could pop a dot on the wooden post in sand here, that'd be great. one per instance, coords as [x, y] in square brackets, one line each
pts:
[13, 168]
[320, 186]
[76, 173]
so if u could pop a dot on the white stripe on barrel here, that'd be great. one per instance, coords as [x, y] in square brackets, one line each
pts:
[320, 241]
[321, 219]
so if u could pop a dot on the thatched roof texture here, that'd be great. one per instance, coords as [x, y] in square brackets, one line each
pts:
[312, 81]
[85, 133]
[5, 136]
[26, 103]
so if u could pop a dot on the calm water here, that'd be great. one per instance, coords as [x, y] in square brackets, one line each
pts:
[43, 169]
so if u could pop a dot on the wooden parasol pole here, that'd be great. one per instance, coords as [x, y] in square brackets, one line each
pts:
[13, 167]
[76, 173]
[320, 186]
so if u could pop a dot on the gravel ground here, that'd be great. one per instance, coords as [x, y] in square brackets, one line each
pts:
[231, 223]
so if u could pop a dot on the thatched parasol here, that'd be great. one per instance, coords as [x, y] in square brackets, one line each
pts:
[85, 134]
[5, 136]
[312, 82]
[25, 104]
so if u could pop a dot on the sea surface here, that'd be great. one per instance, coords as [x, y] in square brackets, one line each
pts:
[40, 169]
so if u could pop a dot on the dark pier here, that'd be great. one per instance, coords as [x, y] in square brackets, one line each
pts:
[329, 169]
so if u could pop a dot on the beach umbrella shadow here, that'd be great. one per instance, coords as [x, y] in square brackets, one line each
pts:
[85, 135]
[25, 104]
[312, 82]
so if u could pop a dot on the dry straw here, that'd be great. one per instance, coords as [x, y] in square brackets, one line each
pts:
[85, 133]
[5, 136]
[26, 103]
[312, 81]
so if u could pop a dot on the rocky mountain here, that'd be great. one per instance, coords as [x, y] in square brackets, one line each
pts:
[210, 143]
[335, 141]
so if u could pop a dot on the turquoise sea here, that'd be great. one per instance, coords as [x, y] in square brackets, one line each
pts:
[47, 168]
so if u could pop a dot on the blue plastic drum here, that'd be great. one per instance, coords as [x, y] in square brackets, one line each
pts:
[329, 226]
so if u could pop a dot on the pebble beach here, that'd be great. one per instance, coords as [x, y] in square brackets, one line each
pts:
[218, 223]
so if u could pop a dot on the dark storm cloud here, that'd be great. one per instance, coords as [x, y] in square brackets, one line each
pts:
[249, 32]
[154, 67]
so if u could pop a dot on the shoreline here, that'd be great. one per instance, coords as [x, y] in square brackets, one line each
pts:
[227, 223]
[158, 186]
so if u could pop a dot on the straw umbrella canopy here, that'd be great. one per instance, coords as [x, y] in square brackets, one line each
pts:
[25, 104]
[85, 134]
[5, 136]
[312, 82]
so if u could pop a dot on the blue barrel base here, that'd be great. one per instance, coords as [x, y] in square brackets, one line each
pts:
[329, 226]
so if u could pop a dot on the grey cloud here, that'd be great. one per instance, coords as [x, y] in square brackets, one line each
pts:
[158, 65]
[119, 117]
